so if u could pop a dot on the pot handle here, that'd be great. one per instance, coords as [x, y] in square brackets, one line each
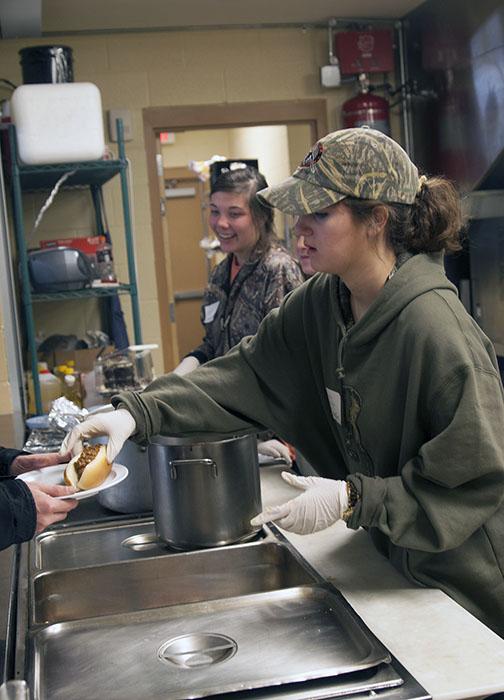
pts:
[180, 463]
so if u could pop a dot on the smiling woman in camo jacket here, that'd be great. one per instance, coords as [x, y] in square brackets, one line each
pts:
[254, 277]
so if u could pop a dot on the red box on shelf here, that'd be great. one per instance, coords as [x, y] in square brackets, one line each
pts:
[365, 51]
[86, 244]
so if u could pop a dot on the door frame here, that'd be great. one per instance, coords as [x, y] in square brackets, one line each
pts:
[197, 117]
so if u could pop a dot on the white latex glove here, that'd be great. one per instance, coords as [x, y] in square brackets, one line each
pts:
[187, 365]
[323, 503]
[276, 449]
[118, 425]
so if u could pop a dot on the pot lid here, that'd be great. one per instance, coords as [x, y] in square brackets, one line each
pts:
[200, 438]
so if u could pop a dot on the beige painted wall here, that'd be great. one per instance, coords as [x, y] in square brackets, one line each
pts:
[7, 434]
[137, 70]
[199, 145]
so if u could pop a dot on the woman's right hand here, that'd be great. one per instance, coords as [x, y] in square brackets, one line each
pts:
[118, 426]
[50, 509]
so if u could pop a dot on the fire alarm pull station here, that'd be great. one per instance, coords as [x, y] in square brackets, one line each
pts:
[365, 51]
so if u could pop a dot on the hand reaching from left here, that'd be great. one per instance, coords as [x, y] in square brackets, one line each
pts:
[321, 504]
[50, 509]
[26, 463]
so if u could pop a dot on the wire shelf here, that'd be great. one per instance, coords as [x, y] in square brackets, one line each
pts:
[35, 178]
[87, 293]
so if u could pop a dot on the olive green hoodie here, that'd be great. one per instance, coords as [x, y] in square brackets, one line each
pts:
[408, 401]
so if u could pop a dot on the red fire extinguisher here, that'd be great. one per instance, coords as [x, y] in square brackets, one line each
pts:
[366, 109]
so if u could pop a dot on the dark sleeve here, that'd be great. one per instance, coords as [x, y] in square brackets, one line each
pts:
[7, 456]
[18, 515]
[199, 355]
[206, 350]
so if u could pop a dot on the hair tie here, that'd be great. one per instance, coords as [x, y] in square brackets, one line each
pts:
[422, 180]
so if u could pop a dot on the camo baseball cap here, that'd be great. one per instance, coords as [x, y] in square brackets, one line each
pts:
[360, 162]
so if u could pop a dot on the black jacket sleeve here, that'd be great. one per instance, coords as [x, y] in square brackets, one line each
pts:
[18, 515]
[7, 456]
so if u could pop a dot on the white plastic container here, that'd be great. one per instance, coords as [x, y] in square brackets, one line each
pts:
[58, 122]
[50, 389]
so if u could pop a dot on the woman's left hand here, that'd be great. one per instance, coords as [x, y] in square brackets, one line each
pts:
[27, 463]
[323, 503]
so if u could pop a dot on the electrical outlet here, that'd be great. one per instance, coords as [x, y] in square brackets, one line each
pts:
[125, 115]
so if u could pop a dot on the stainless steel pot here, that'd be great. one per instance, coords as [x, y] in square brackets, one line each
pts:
[205, 489]
[134, 494]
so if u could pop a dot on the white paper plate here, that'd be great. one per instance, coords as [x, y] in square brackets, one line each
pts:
[54, 475]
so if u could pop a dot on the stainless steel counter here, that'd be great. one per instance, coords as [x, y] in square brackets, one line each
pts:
[452, 654]
[6, 557]
[87, 599]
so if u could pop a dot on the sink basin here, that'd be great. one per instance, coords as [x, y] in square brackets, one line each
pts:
[142, 584]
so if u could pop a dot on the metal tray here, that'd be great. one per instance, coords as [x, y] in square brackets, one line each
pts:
[96, 544]
[203, 649]
[63, 595]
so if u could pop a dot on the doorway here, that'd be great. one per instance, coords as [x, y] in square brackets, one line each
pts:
[179, 302]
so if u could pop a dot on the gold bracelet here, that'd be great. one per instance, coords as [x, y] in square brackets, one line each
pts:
[353, 499]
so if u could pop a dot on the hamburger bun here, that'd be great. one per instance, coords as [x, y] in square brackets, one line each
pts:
[88, 469]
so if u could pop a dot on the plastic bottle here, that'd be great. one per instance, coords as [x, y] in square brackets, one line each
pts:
[50, 389]
[105, 263]
[73, 389]
[59, 371]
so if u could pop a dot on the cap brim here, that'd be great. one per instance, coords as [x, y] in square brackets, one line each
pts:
[297, 196]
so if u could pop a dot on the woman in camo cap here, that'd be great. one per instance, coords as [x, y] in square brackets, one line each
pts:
[373, 370]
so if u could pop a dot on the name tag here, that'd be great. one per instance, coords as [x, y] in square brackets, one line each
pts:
[209, 312]
[335, 404]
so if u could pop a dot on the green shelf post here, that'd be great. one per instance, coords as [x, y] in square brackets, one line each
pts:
[92, 174]
[95, 194]
[128, 233]
[23, 263]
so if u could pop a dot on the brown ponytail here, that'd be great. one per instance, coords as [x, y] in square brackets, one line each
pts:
[433, 222]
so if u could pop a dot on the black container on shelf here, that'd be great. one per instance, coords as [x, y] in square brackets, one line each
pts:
[222, 166]
[47, 64]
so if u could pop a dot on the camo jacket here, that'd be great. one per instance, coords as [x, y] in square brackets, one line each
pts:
[232, 310]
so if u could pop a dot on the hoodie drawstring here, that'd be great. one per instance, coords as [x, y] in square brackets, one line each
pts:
[340, 370]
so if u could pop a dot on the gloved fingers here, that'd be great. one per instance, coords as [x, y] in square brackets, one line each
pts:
[89, 428]
[304, 482]
[268, 449]
[274, 448]
[293, 517]
[271, 514]
[299, 482]
[113, 448]
[72, 443]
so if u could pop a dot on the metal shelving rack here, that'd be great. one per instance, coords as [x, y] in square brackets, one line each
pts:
[92, 174]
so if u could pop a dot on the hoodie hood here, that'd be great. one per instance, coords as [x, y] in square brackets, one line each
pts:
[421, 274]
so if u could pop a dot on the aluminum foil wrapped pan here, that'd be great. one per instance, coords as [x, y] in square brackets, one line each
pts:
[65, 415]
[44, 440]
